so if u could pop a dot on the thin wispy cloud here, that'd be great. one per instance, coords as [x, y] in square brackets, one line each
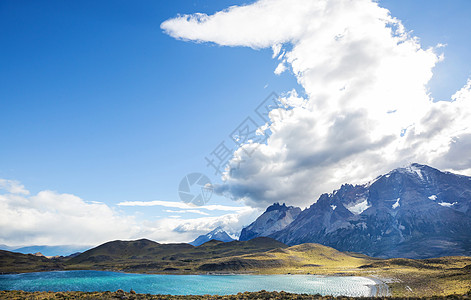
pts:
[185, 211]
[13, 186]
[182, 205]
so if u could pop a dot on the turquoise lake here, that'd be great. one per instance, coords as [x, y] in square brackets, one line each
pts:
[89, 281]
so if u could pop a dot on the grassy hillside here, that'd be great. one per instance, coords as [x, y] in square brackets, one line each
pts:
[149, 257]
[302, 259]
[12, 262]
[436, 276]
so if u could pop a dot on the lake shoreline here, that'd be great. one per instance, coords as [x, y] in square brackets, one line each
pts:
[380, 289]
[17, 295]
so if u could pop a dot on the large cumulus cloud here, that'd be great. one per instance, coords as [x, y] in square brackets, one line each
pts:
[367, 108]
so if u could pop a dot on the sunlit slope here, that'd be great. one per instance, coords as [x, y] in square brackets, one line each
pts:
[305, 258]
[424, 277]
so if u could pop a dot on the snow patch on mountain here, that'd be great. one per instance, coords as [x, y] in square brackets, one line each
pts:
[446, 204]
[396, 205]
[358, 207]
[412, 168]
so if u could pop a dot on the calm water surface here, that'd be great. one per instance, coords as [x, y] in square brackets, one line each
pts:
[89, 281]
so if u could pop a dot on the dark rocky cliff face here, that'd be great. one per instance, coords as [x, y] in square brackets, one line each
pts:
[275, 218]
[413, 212]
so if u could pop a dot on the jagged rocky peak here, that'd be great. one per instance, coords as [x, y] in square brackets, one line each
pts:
[414, 211]
[277, 206]
[275, 218]
[353, 198]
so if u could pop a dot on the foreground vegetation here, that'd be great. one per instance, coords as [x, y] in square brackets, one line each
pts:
[254, 295]
[404, 277]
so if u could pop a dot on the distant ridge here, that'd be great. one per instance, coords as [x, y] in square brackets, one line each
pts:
[7, 248]
[217, 234]
[64, 250]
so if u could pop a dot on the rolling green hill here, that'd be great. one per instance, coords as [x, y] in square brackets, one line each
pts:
[128, 250]
[150, 257]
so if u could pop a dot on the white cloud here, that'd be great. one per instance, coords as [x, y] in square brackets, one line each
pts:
[280, 68]
[179, 230]
[51, 218]
[13, 187]
[243, 25]
[367, 111]
[182, 205]
[156, 203]
[184, 211]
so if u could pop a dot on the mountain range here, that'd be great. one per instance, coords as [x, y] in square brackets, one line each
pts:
[51, 250]
[412, 212]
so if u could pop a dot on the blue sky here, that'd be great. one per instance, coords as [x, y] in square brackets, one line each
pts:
[98, 102]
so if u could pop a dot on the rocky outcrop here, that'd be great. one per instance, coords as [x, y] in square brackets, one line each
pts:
[274, 219]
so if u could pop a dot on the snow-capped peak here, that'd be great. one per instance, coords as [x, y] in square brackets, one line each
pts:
[412, 168]
[217, 230]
